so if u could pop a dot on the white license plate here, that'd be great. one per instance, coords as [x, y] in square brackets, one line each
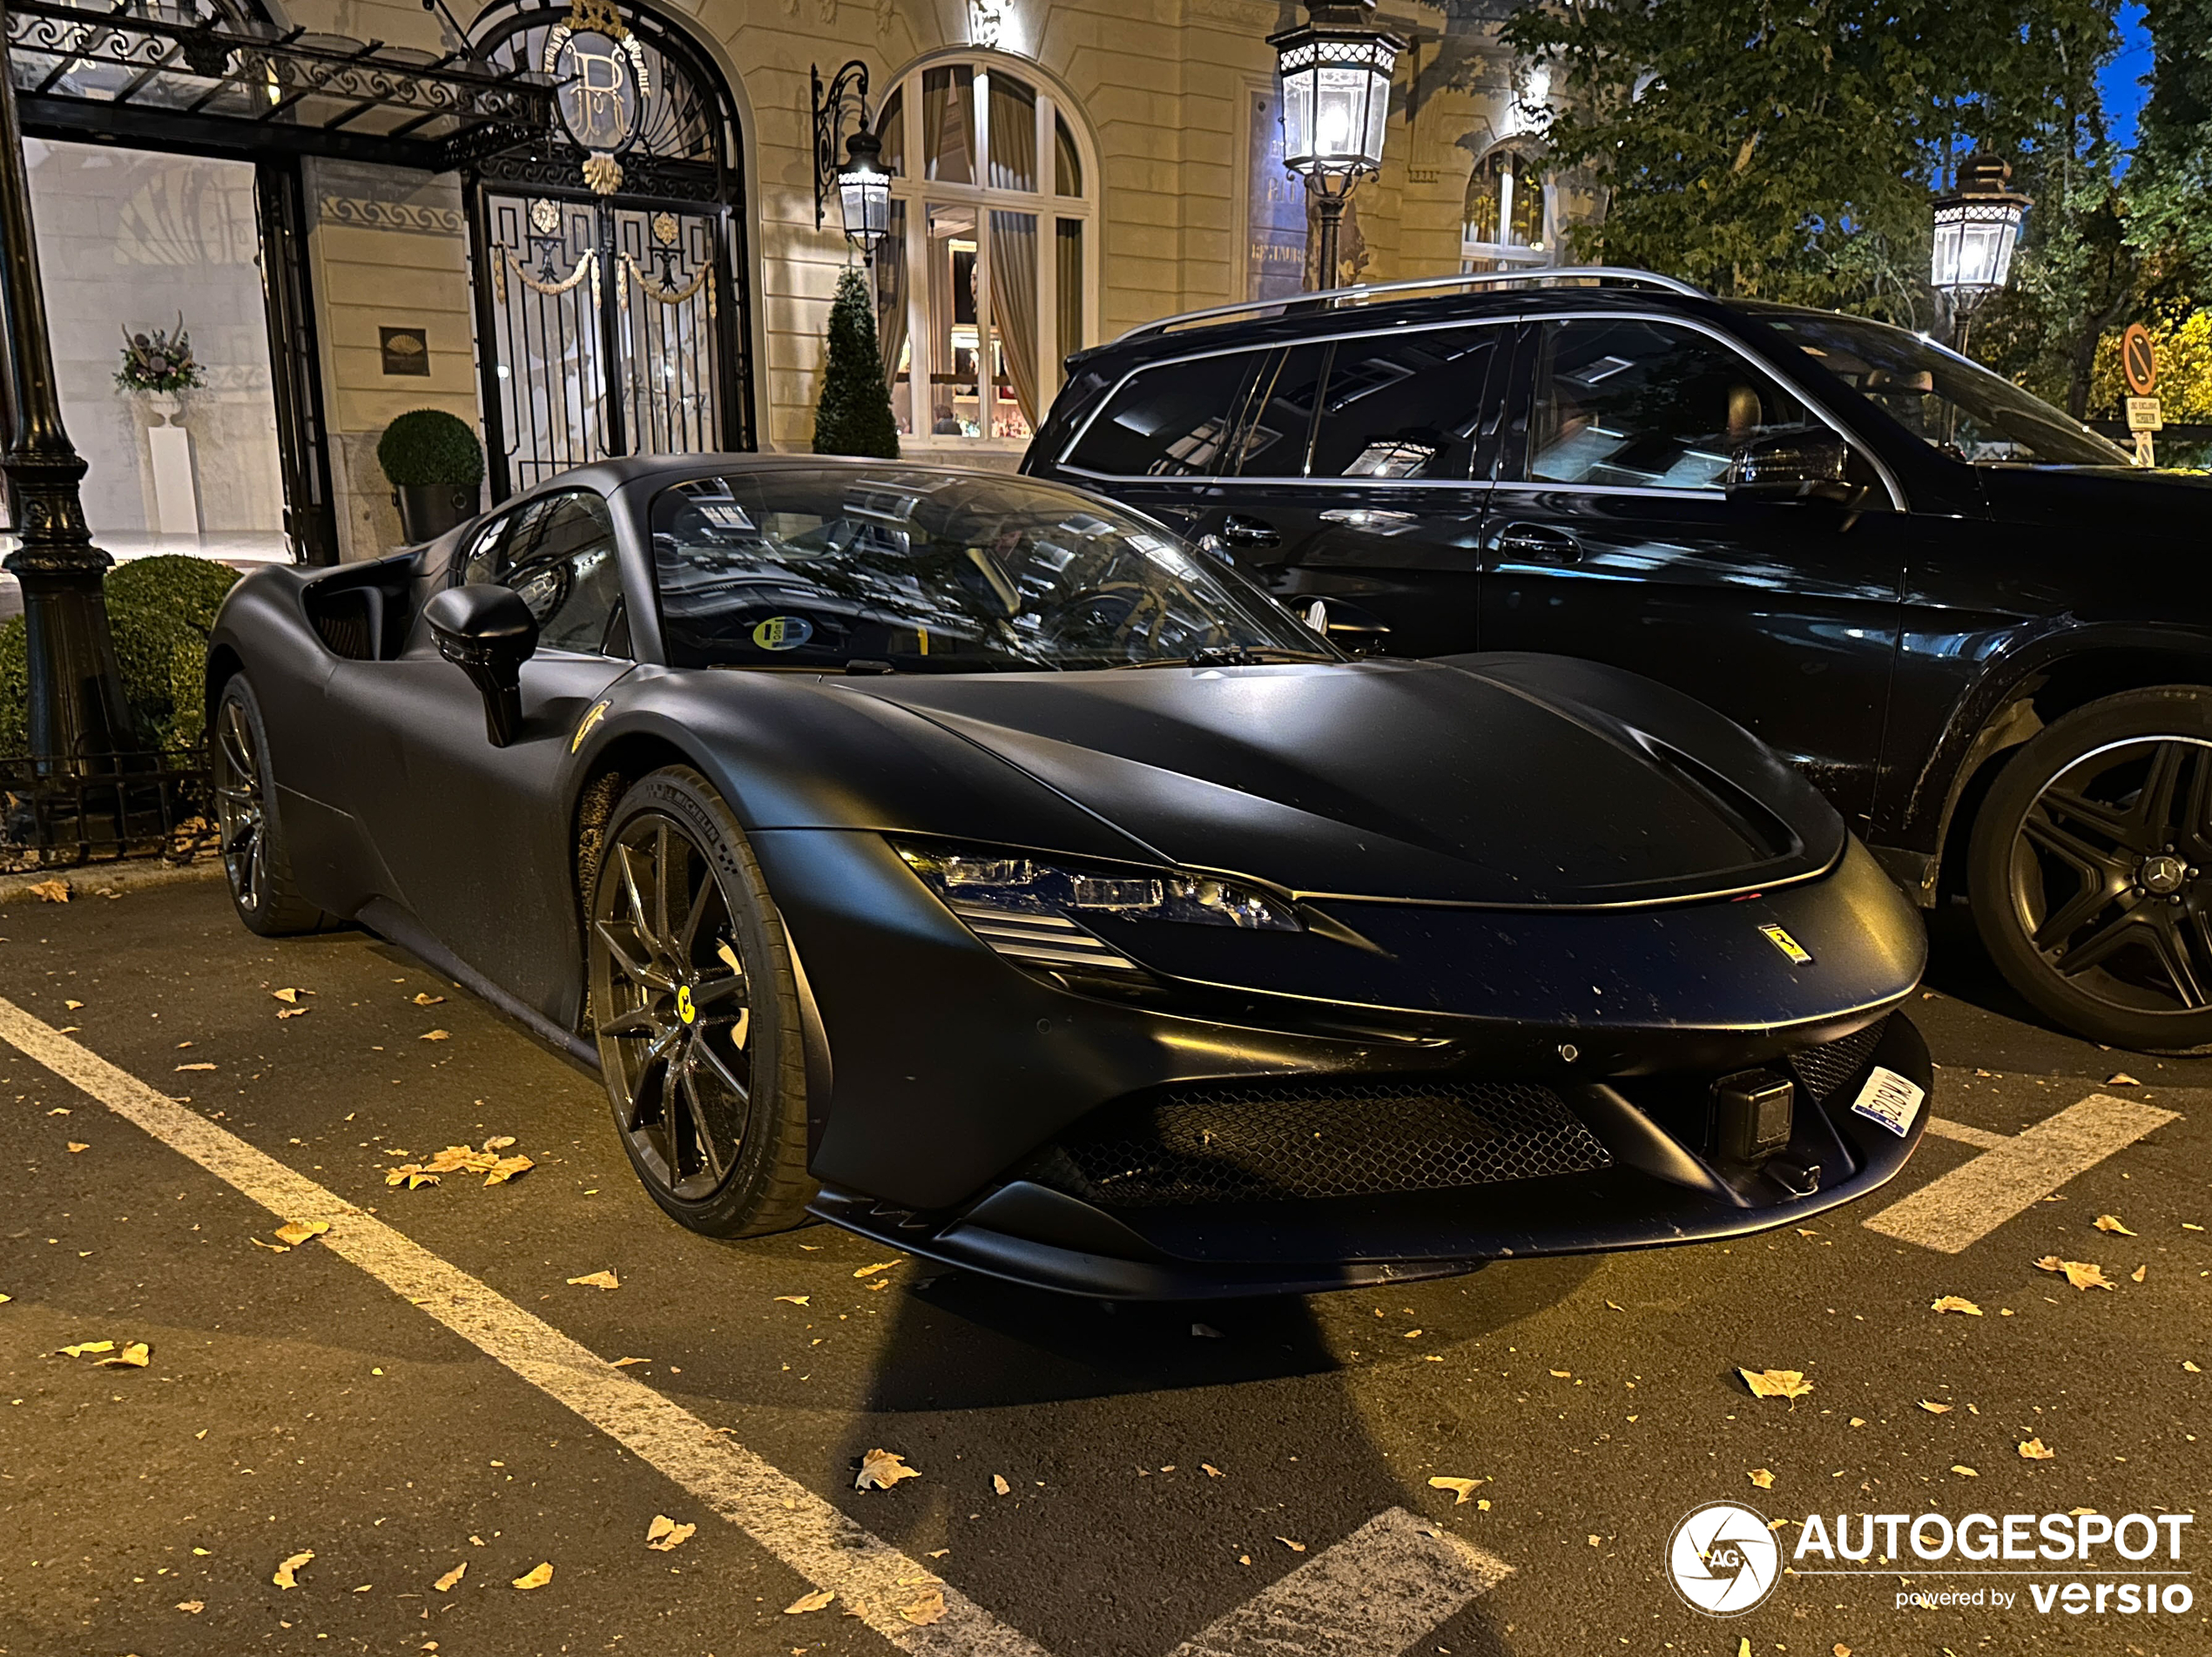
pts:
[1891, 1100]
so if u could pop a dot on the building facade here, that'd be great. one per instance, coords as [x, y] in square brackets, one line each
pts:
[359, 220]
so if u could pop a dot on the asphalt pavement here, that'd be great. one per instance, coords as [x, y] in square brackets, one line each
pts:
[415, 1390]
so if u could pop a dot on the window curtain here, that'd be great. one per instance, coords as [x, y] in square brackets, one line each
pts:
[1014, 134]
[891, 296]
[1070, 286]
[948, 124]
[1014, 304]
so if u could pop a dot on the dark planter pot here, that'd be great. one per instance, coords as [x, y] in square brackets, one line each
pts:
[427, 510]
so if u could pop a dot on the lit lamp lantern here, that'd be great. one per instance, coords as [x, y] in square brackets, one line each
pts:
[864, 193]
[1333, 72]
[1975, 230]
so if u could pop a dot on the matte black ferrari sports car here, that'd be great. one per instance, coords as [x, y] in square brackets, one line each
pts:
[963, 859]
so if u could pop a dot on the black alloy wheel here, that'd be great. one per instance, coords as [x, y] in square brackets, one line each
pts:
[254, 862]
[695, 1009]
[2091, 870]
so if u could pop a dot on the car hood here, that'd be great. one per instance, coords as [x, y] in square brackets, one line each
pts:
[1507, 780]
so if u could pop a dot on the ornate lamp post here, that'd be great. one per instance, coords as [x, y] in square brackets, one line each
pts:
[1333, 72]
[1975, 229]
[862, 186]
[78, 708]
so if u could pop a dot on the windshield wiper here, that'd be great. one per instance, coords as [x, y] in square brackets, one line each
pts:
[1233, 656]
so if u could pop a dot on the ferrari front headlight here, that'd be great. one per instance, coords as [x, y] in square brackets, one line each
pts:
[1037, 912]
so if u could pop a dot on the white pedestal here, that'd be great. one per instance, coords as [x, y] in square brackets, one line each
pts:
[176, 499]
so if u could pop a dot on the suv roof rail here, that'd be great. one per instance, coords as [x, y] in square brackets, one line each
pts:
[1331, 296]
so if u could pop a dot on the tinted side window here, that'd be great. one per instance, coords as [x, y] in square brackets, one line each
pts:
[562, 560]
[1274, 444]
[481, 563]
[1168, 422]
[1650, 404]
[1404, 406]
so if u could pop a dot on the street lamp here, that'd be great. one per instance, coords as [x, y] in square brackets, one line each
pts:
[863, 187]
[1333, 72]
[864, 193]
[1975, 229]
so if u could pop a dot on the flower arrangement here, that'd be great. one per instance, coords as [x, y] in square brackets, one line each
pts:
[158, 362]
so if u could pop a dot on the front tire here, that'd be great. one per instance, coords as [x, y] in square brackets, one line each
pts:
[2091, 869]
[256, 863]
[695, 1011]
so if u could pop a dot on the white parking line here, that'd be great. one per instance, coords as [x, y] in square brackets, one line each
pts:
[868, 1575]
[1959, 1208]
[1966, 1133]
[1373, 1594]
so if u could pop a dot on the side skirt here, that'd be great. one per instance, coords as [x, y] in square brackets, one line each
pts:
[387, 919]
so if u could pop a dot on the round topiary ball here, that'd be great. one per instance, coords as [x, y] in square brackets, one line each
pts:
[425, 448]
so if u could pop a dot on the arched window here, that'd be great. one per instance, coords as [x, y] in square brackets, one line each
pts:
[987, 278]
[1504, 224]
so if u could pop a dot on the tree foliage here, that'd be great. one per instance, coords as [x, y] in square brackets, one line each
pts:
[1786, 151]
[854, 414]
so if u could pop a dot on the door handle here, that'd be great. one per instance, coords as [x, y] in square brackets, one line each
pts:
[1241, 531]
[1381, 520]
[1539, 543]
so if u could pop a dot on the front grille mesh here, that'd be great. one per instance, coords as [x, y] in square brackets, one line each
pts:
[1295, 1140]
[1825, 1070]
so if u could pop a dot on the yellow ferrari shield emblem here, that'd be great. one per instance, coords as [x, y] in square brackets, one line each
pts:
[1798, 954]
[684, 1010]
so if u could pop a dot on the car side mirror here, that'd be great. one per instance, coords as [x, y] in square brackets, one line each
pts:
[1793, 466]
[487, 632]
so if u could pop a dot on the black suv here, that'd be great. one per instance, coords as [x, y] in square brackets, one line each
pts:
[1960, 612]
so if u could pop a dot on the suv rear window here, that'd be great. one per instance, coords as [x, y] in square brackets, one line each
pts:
[1170, 421]
[1404, 405]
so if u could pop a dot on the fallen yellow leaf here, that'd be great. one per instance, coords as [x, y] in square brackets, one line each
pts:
[1964, 1472]
[1563, 1375]
[83, 1347]
[2111, 1223]
[508, 1168]
[52, 891]
[72, 1006]
[287, 1574]
[1000, 1486]
[624, 1363]
[537, 1577]
[289, 997]
[1762, 1477]
[445, 1584]
[1775, 1383]
[423, 998]
[880, 1469]
[1596, 1541]
[1956, 1303]
[1840, 1649]
[293, 1012]
[195, 1067]
[2081, 1274]
[76, 1145]
[1463, 1489]
[2122, 1079]
[598, 1280]
[796, 1300]
[441, 1036]
[4, 1299]
[499, 1142]
[808, 1602]
[881, 1265]
[1933, 1408]
[191, 1608]
[299, 1231]
[1212, 1472]
[2139, 1273]
[135, 1355]
[2034, 1449]
[664, 1535]
[928, 1607]
[1295, 1547]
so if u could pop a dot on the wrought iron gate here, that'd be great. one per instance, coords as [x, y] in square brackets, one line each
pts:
[605, 331]
[609, 254]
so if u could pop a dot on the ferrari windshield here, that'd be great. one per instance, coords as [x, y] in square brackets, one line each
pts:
[898, 569]
[1948, 402]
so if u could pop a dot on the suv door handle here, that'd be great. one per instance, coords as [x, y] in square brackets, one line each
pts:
[1241, 531]
[1539, 543]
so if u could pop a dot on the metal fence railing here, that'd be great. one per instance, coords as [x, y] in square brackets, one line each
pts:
[58, 814]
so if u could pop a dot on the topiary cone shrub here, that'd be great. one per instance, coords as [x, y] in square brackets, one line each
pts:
[161, 611]
[854, 414]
